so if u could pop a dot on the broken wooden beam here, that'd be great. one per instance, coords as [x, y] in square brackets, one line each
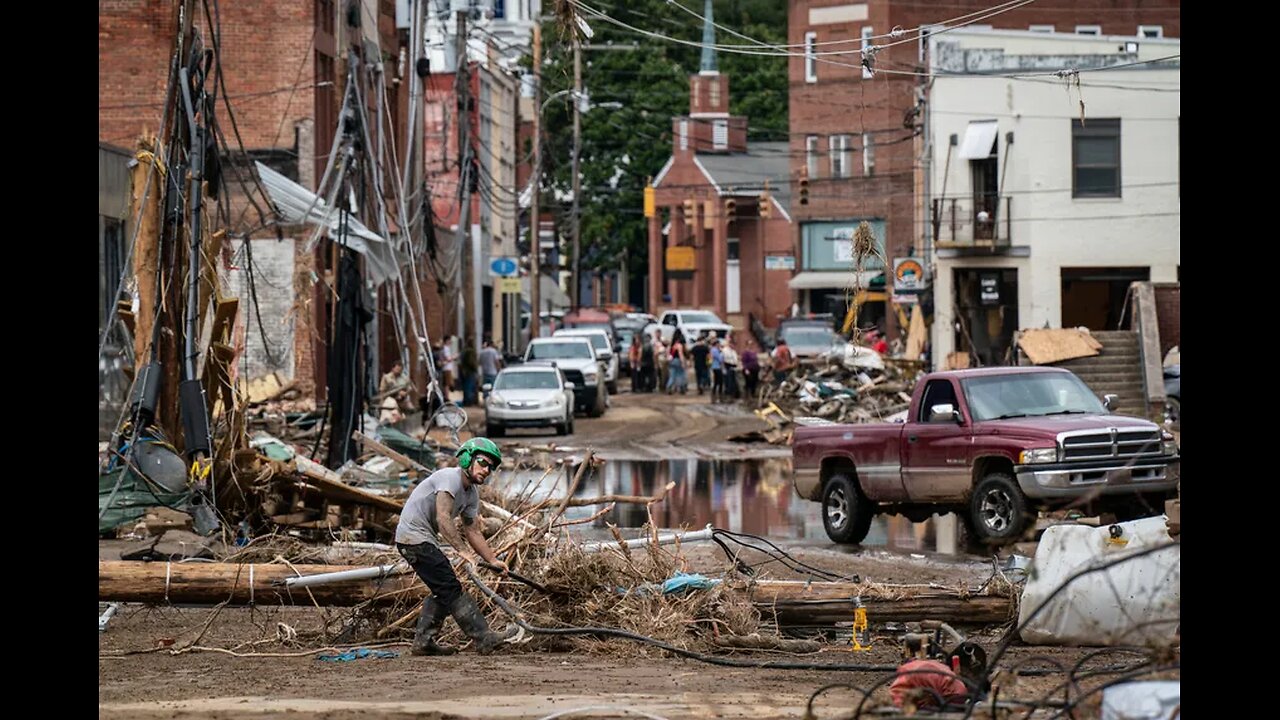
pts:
[795, 602]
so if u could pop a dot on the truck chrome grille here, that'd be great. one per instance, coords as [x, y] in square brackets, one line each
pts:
[1114, 443]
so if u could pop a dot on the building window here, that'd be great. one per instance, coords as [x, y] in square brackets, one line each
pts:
[810, 57]
[714, 88]
[1088, 29]
[811, 155]
[697, 93]
[1151, 31]
[1041, 28]
[720, 134]
[868, 155]
[1095, 158]
[867, 35]
[684, 134]
[840, 145]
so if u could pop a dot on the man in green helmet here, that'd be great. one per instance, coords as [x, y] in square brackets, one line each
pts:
[427, 518]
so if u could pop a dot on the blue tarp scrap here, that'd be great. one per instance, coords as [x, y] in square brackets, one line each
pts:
[358, 654]
[687, 581]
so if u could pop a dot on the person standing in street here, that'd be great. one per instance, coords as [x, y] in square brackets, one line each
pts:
[490, 364]
[730, 369]
[717, 371]
[428, 518]
[750, 371]
[783, 361]
[699, 352]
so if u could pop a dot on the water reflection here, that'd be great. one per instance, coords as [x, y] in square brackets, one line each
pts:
[747, 496]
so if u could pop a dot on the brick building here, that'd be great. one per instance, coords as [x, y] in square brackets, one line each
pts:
[719, 238]
[855, 128]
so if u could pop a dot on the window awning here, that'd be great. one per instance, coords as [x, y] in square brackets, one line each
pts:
[298, 205]
[842, 279]
[978, 139]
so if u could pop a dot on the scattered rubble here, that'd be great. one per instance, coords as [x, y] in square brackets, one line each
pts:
[853, 384]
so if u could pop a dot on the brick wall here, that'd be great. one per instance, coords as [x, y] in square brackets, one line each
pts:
[266, 52]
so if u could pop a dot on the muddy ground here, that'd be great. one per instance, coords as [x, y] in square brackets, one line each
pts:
[199, 662]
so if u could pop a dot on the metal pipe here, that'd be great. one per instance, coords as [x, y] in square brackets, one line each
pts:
[702, 535]
[105, 617]
[370, 573]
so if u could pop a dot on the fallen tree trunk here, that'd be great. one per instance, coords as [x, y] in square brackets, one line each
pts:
[789, 602]
[795, 602]
[199, 583]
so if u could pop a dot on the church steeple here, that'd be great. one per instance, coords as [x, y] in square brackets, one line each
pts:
[708, 40]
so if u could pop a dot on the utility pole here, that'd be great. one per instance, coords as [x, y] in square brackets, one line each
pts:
[535, 240]
[577, 184]
[464, 177]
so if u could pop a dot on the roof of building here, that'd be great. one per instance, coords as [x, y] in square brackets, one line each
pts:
[747, 172]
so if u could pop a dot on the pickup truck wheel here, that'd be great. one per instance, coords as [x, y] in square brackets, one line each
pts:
[846, 512]
[997, 510]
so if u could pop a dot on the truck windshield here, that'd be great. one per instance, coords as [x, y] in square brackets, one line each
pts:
[1029, 395]
[809, 336]
[576, 350]
[699, 317]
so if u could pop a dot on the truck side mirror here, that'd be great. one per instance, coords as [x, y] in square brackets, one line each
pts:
[944, 412]
[487, 387]
[1110, 400]
[568, 385]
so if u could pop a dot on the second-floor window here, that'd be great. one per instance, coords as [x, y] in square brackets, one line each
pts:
[840, 145]
[1088, 29]
[810, 57]
[1095, 158]
[720, 134]
[811, 155]
[1151, 31]
[868, 155]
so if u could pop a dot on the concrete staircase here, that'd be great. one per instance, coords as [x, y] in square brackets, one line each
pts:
[1116, 369]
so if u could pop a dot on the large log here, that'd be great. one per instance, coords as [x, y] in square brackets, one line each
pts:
[795, 603]
[200, 583]
[822, 603]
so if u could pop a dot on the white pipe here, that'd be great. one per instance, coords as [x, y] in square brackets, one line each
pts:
[105, 617]
[353, 545]
[504, 514]
[368, 573]
[683, 538]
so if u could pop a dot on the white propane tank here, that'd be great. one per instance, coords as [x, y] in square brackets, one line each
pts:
[1135, 602]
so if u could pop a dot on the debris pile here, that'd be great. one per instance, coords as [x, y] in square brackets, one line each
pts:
[853, 384]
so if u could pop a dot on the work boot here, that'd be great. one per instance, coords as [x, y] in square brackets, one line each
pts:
[430, 620]
[474, 624]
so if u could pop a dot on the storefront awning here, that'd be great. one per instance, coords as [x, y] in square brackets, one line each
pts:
[978, 139]
[842, 279]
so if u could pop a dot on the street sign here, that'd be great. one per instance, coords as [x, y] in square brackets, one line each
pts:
[779, 262]
[908, 275]
[509, 285]
[680, 262]
[503, 266]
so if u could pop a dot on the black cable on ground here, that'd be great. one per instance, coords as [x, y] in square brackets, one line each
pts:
[777, 553]
[709, 659]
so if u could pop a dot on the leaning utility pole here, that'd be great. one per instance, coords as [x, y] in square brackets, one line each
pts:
[577, 185]
[464, 178]
[535, 239]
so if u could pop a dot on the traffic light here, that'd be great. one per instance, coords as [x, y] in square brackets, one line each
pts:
[766, 206]
[730, 209]
[690, 214]
[804, 191]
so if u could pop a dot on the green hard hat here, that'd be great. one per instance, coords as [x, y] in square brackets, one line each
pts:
[478, 445]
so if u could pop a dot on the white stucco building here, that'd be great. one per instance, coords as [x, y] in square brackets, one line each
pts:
[1046, 195]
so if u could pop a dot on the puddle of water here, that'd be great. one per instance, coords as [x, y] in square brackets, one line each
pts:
[747, 496]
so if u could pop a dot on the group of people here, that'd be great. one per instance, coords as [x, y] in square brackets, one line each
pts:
[716, 362]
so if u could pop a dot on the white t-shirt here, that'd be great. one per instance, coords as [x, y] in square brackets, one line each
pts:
[418, 520]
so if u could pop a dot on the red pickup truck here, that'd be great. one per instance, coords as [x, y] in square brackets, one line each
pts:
[991, 444]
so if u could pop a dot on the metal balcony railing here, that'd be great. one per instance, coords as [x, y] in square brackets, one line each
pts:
[972, 221]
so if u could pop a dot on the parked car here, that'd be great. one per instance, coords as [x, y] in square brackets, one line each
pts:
[809, 339]
[992, 445]
[1173, 395]
[602, 342]
[575, 357]
[692, 324]
[529, 395]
